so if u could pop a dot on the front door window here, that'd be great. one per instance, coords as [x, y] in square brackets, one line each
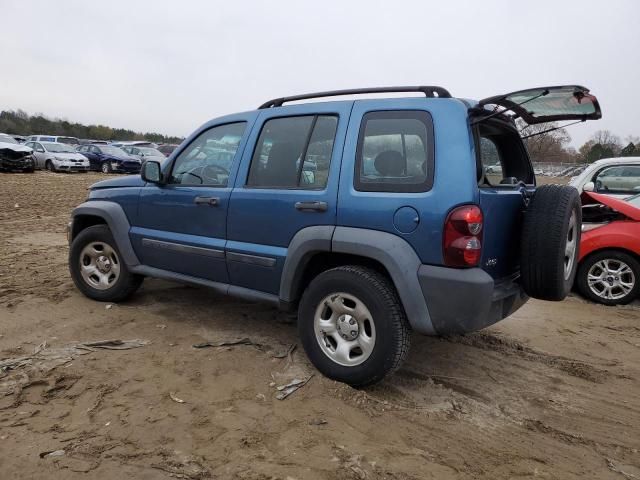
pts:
[207, 160]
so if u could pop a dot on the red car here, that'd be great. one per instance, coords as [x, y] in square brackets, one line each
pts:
[609, 259]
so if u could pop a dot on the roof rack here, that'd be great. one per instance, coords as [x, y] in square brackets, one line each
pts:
[429, 91]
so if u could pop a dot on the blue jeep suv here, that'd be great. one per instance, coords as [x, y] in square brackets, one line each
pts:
[371, 218]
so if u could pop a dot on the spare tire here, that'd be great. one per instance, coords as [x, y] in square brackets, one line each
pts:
[550, 242]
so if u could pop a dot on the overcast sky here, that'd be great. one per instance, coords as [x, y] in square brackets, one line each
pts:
[168, 66]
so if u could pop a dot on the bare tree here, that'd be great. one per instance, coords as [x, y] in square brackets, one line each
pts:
[607, 139]
[547, 146]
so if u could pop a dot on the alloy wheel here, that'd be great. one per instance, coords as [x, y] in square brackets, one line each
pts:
[611, 279]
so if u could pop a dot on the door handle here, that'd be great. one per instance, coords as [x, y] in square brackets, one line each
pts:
[211, 201]
[311, 206]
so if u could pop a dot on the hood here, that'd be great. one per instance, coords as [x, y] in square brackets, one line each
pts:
[128, 181]
[15, 147]
[618, 205]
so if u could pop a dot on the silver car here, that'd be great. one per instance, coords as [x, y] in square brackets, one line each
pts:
[144, 153]
[619, 177]
[58, 157]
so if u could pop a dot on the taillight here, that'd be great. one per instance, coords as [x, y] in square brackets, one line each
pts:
[462, 237]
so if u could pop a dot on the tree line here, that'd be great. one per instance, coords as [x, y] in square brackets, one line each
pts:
[543, 146]
[19, 122]
[553, 146]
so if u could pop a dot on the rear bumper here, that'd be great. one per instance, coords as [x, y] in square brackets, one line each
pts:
[466, 300]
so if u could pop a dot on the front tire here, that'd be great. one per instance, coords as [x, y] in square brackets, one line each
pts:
[50, 166]
[97, 268]
[352, 325]
[609, 277]
[106, 167]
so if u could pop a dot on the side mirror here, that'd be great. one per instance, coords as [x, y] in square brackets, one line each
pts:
[151, 172]
[589, 187]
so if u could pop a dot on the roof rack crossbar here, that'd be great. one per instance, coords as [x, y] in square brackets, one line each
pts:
[429, 91]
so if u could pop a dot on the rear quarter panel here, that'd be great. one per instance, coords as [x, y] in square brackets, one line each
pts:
[454, 176]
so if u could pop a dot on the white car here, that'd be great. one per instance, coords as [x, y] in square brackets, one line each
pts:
[58, 157]
[619, 177]
[53, 138]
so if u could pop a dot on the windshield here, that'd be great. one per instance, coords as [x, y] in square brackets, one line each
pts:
[151, 151]
[69, 140]
[635, 200]
[113, 151]
[7, 139]
[57, 147]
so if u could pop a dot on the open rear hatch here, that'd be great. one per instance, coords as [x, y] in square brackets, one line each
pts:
[503, 200]
[547, 104]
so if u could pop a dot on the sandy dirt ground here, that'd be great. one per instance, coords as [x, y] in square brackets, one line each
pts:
[552, 392]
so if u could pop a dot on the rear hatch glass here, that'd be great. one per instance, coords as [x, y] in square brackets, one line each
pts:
[549, 104]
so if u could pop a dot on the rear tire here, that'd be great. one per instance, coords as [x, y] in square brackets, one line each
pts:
[609, 277]
[97, 268]
[550, 242]
[352, 325]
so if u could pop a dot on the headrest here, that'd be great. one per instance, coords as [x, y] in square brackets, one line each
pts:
[389, 163]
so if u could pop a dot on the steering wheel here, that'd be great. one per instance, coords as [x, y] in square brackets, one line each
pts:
[207, 174]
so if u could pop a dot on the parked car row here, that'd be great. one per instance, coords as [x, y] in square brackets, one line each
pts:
[50, 157]
[67, 154]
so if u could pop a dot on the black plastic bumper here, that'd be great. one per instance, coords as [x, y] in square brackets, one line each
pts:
[126, 169]
[20, 164]
[466, 300]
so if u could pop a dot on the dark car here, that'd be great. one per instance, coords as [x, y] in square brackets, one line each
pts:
[108, 159]
[167, 149]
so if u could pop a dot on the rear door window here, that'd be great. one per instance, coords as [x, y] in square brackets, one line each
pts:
[395, 152]
[293, 152]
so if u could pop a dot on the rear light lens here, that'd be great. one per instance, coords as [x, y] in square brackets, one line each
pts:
[462, 238]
